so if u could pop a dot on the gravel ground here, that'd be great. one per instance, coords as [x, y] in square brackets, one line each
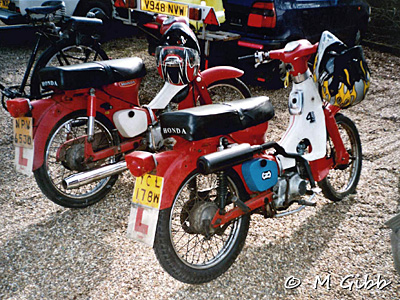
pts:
[49, 252]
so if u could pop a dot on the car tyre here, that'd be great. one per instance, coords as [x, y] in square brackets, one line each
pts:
[102, 7]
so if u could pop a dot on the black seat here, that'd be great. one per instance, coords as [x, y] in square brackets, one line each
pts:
[46, 8]
[92, 74]
[206, 121]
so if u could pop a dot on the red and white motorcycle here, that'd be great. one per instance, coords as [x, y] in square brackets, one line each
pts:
[73, 140]
[193, 203]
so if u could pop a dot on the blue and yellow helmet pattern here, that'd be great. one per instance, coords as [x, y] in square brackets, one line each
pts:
[341, 72]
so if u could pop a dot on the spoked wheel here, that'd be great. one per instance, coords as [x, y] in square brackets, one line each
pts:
[228, 90]
[64, 53]
[75, 54]
[64, 156]
[343, 180]
[186, 245]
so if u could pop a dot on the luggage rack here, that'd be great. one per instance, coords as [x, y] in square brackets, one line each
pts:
[216, 36]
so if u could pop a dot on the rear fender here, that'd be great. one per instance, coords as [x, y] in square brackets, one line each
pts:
[46, 114]
[176, 165]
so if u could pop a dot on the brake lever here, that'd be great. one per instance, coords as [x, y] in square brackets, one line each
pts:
[261, 57]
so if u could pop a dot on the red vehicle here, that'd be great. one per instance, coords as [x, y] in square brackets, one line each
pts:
[220, 170]
[73, 140]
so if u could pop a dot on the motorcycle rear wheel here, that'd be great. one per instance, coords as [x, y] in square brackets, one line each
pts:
[342, 182]
[186, 254]
[50, 175]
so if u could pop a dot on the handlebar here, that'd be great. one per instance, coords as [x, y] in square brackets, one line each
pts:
[259, 57]
[246, 57]
[296, 53]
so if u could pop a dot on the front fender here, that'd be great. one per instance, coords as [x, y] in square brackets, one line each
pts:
[204, 80]
[214, 74]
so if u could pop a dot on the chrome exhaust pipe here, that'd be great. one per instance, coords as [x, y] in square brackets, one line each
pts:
[83, 178]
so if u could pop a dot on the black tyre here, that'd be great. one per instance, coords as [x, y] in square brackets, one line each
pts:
[394, 224]
[181, 245]
[228, 90]
[101, 8]
[65, 52]
[395, 241]
[343, 180]
[70, 158]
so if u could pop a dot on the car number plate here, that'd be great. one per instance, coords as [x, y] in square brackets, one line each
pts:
[23, 136]
[4, 3]
[145, 206]
[164, 7]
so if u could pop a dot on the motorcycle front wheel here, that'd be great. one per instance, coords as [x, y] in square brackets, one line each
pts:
[63, 159]
[228, 90]
[342, 181]
[184, 246]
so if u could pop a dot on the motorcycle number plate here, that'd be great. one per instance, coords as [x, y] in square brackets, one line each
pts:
[23, 142]
[145, 206]
[23, 136]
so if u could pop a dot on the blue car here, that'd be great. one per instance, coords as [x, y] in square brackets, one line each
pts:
[271, 24]
[265, 25]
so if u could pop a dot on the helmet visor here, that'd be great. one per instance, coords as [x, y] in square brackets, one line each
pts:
[177, 65]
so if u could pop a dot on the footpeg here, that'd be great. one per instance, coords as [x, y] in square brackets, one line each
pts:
[240, 204]
[306, 203]
[302, 203]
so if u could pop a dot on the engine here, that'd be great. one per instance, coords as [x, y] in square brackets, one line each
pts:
[289, 186]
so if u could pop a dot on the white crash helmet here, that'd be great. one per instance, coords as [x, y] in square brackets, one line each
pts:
[341, 72]
[178, 59]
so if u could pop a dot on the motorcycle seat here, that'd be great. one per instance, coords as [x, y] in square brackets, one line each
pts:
[212, 120]
[92, 74]
[48, 8]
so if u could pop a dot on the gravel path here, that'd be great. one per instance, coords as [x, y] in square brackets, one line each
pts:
[49, 252]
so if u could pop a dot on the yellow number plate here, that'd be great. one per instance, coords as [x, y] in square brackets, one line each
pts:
[164, 7]
[148, 190]
[4, 3]
[23, 136]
